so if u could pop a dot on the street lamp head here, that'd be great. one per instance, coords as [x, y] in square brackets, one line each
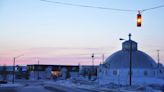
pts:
[19, 56]
[121, 39]
[92, 55]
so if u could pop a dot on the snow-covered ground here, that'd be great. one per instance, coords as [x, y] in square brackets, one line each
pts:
[39, 86]
[72, 85]
[9, 87]
[95, 87]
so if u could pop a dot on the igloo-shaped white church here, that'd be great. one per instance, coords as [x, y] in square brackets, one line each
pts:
[116, 68]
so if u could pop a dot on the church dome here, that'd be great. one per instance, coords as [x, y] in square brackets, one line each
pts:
[121, 59]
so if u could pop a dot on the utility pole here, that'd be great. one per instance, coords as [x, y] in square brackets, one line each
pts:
[13, 70]
[102, 58]
[13, 80]
[92, 73]
[158, 57]
[130, 59]
[93, 59]
[38, 70]
[79, 69]
[130, 66]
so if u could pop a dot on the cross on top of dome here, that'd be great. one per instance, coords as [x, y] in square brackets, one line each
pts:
[130, 36]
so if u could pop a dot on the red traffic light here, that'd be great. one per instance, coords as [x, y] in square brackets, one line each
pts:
[139, 20]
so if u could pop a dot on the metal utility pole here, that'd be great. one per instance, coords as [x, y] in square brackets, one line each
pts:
[93, 59]
[158, 57]
[79, 65]
[130, 59]
[92, 73]
[130, 66]
[13, 70]
[13, 80]
[38, 70]
[102, 58]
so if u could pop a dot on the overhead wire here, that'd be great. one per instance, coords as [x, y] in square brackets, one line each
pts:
[105, 8]
[88, 6]
[156, 7]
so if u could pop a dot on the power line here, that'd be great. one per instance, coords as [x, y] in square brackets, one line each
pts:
[152, 8]
[105, 8]
[88, 6]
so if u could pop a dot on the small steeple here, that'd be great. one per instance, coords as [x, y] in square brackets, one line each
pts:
[130, 36]
[126, 45]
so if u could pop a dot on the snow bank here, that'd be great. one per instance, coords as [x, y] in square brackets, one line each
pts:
[10, 85]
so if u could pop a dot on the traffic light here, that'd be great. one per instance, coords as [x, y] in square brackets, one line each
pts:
[139, 19]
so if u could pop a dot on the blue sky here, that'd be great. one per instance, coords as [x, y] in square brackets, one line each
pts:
[60, 34]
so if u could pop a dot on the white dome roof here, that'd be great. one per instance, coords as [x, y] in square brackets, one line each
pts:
[120, 59]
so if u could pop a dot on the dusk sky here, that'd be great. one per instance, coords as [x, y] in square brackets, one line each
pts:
[62, 34]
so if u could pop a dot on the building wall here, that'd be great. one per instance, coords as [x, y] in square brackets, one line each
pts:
[52, 71]
[9, 77]
[35, 75]
[122, 75]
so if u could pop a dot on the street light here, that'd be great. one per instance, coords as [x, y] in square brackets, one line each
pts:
[38, 69]
[158, 57]
[92, 59]
[130, 60]
[92, 69]
[14, 67]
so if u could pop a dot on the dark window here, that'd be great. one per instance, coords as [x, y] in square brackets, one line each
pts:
[114, 72]
[145, 73]
[160, 71]
[129, 72]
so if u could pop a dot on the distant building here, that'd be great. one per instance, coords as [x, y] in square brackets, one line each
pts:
[52, 71]
[39, 72]
[6, 73]
[88, 71]
[116, 67]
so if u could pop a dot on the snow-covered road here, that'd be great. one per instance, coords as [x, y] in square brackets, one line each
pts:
[61, 86]
[40, 86]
